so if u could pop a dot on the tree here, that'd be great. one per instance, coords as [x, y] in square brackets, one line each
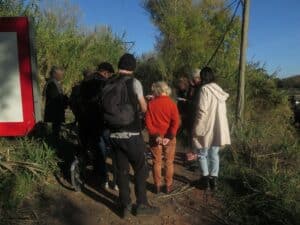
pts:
[190, 32]
[62, 40]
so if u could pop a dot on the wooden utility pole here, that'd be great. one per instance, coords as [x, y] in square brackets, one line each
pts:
[243, 61]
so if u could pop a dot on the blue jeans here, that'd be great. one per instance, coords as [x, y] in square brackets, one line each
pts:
[209, 161]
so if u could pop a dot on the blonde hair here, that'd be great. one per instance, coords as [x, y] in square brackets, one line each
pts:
[160, 88]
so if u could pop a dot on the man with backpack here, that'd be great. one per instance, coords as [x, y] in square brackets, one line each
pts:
[122, 102]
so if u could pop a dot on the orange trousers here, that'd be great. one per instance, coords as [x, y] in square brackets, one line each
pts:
[168, 151]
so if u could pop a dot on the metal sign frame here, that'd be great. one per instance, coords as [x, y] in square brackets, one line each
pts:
[30, 93]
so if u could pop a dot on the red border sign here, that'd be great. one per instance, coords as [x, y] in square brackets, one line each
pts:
[20, 25]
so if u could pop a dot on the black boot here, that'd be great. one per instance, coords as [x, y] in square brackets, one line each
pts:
[213, 183]
[204, 183]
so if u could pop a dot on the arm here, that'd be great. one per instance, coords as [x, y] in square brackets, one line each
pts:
[138, 88]
[149, 124]
[201, 114]
[143, 104]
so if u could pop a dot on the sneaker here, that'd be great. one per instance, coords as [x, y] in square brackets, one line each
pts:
[116, 188]
[146, 210]
[213, 183]
[126, 211]
[105, 185]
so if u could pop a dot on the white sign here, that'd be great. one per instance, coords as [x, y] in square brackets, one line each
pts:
[10, 85]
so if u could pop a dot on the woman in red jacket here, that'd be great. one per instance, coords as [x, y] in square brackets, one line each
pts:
[162, 121]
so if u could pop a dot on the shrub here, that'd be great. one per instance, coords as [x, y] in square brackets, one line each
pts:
[24, 165]
[261, 179]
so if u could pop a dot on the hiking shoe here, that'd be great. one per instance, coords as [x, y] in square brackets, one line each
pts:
[204, 183]
[146, 210]
[104, 185]
[213, 183]
[116, 188]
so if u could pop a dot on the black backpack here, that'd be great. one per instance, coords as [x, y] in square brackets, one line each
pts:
[117, 108]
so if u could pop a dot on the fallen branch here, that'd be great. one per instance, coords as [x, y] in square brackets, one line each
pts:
[181, 191]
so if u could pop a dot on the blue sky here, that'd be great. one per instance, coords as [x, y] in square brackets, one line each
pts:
[274, 29]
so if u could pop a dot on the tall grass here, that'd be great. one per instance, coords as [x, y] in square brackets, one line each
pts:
[261, 175]
[25, 164]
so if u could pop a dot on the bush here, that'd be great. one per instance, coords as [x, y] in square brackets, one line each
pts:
[261, 177]
[24, 165]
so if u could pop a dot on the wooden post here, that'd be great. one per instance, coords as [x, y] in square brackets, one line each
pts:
[243, 61]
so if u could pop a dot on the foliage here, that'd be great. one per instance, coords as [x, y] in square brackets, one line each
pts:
[190, 32]
[62, 41]
[150, 69]
[260, 178]
[24, 164]
[260, 183]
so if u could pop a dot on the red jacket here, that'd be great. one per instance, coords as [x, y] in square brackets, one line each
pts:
[162, 117]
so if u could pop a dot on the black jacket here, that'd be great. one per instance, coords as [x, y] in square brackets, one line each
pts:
[90, 117]
[56, 102]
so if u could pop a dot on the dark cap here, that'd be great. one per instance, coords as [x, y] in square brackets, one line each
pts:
[127, 62]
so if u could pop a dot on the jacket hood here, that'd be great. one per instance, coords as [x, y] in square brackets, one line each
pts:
[217, 91]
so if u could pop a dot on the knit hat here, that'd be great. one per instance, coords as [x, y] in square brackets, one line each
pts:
[127, 62]
[196, 73]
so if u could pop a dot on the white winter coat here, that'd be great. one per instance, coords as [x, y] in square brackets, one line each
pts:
[211, 123]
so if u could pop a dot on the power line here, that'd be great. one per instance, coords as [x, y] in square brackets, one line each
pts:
[225, 33]
[229, 6]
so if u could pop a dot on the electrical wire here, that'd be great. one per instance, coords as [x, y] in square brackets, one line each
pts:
[228, 27]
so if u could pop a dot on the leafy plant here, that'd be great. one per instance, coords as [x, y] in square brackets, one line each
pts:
[24, 164]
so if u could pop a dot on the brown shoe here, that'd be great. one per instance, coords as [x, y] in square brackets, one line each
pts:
[169, 189]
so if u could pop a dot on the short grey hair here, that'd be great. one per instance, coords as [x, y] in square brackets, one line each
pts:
[161, 87]
[54, 70]
[196, 73]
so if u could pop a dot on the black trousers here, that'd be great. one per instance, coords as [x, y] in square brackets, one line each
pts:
[131, 151]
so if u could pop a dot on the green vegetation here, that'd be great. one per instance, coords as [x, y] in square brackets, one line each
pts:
[61, 40]
[25, 164]
[260, 178]
[260, 182]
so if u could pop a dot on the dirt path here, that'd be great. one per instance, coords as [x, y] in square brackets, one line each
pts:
[187, 205]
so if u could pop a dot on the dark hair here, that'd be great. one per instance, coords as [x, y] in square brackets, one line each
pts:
[105, 66]
[207, 76]
[127, 62]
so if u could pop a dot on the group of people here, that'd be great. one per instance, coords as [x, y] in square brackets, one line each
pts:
[109, 108]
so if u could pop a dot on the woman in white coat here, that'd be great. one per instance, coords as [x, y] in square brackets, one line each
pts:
[210, 130]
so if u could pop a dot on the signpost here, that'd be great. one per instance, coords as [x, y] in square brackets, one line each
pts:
[19, 94]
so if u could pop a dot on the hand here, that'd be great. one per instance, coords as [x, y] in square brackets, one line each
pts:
[165, 141]
[159, 140]
[149, 97]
